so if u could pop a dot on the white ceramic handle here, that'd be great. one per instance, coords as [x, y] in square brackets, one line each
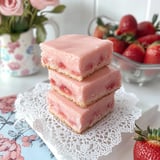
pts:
[54, 26]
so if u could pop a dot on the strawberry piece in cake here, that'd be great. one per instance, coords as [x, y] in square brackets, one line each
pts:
[77, 118]
[91, 89]
[76, 55]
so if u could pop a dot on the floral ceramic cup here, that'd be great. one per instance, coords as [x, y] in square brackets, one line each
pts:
[22, 57]
[19, 58]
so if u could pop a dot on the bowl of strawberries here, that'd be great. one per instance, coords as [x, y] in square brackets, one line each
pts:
[136, 45]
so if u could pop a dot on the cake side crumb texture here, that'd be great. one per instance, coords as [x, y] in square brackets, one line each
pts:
[79, 119]
[91, 89]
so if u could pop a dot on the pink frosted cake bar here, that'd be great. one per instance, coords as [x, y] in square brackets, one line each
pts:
[79, 119]
[76, 55]
[91, 89]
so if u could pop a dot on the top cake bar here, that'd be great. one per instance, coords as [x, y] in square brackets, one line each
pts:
[76, 55]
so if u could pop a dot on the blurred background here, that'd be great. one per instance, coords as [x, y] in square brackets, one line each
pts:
[78, 13]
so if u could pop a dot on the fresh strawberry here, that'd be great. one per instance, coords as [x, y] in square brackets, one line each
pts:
[103, 30]
[147, 27]
[127, 26]
[99, 32]
[147, 145]
[148, 39]
[135, 52]
[118, 45]
[100, 29]
[153, 54]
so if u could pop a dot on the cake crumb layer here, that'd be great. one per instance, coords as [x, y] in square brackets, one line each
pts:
[79, 119]
[91, 89]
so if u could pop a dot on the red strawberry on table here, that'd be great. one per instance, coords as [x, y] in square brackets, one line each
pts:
[118, 45]
[148, 39]
[127, 25]
[147, 145]
[153, 54]
[146, 27]
[135, 52]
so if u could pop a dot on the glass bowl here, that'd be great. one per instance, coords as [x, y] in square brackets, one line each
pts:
[131, 71]
[134, 72]
[106, 20]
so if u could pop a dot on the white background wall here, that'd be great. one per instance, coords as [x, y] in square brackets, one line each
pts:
[78, 13]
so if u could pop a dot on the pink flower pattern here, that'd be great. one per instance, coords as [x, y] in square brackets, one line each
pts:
[27, 140]
[25, 72]
[20, 64]
[14, 65]
[15, 138]
[12, 46]
[11, 150]
[6, 104]
[19, 56]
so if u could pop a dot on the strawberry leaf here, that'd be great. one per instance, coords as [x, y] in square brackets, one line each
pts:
[149, 134]
[158, 135]
[157, 26]
[139, 138]
[154, 134]
[100, 22]
[154, 18]
[149, 129]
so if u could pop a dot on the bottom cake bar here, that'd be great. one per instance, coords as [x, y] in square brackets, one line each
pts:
[77, 118]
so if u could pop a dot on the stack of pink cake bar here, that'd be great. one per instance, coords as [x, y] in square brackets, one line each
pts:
[83, 84]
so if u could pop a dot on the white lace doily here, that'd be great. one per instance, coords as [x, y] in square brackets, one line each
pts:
[64, 143]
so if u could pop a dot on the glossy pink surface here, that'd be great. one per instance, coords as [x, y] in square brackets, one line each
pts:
[76, 55]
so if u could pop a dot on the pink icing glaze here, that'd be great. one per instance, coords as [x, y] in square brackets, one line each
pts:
[77, 55]
[79, 119]
[92, 88]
